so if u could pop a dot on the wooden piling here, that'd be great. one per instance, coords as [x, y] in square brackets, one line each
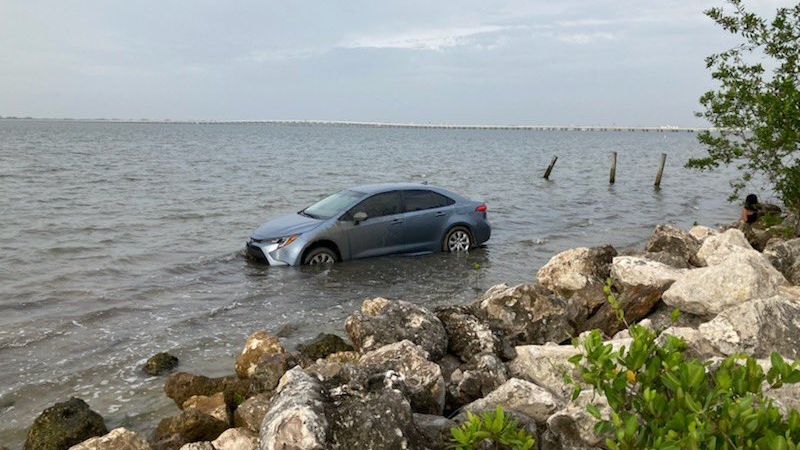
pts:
[613, 175]
[550, 168]
[660, 169]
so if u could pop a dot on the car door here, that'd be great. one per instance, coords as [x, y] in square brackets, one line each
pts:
[426, 216]
[382, 232]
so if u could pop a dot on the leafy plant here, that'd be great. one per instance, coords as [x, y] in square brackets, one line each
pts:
[660, 399]
[494, 426]
[756, 108]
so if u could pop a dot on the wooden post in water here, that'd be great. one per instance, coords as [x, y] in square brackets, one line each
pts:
[660, 169]
[613, 175]
[550, 168]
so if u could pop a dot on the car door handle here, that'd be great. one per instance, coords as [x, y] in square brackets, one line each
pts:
[396, 221]
[441, 213]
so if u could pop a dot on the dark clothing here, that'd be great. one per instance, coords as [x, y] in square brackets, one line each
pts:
[751, 213]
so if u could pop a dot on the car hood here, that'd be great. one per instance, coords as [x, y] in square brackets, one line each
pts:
[285, 226]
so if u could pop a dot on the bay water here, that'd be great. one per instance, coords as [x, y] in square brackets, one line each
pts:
[122, 240]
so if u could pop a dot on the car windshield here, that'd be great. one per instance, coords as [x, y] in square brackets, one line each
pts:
[332, 205]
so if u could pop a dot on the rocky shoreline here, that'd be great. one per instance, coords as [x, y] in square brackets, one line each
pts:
[410, 374]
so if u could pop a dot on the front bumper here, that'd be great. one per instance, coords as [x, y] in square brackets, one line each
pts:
[264, 252]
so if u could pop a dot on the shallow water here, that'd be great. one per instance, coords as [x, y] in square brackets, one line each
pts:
[121, 240]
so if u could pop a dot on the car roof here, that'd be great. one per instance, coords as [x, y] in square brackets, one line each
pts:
[381, 187]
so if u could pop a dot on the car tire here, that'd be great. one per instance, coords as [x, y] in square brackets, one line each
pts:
[457, 239]
[320, 255]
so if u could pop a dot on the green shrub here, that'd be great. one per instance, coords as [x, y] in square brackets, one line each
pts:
[660, 399]
[494, 426]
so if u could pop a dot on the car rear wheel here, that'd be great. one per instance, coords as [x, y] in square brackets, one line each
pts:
[458, 239]
[320, 255]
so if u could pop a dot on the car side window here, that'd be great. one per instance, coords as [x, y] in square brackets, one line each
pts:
[418, 200]
[384, 204]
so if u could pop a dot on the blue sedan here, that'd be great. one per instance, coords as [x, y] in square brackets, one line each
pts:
[372, 220]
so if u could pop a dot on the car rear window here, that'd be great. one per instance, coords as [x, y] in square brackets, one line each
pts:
[418, 200]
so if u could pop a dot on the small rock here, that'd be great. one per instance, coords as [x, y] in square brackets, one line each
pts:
[521, 396]
[269, 370]
[717, 249]
[251, 412]
[671, 239]
[467, 335]
[215, 406]
[180, 386]
[436, 430]
[475, 379]
[236, 439]
[191, 426]
[159, 364]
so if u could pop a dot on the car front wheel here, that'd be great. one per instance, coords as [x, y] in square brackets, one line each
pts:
[320, 255]
[458, 239]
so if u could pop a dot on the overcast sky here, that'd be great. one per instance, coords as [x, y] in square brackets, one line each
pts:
[534, 62]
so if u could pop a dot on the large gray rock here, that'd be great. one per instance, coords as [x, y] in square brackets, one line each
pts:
[716, 249]
[521, 396]
[435, 430]
[296, 418]
[63, 425]
[630, 271]
[545, 366]
[701, 232]
[269, 369]
[423, 378]
[467, 335]
[673, 240]
[117, 439]
[376, 418]
[758, 328]
[159, 364]
[475, 379]
[743, 276]
[525, 314]
[578, 275]
[381, 322]
[573, 427]
[322, 346]
[785, 256]
[257, 345]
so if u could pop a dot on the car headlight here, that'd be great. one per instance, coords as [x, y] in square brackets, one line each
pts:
[284, 241]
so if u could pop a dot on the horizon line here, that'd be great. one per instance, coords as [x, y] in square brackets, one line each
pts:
[659, 128]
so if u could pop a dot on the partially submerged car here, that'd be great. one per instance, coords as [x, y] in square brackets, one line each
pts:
[372, 220]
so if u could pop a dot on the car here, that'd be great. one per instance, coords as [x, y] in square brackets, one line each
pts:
[372, 220]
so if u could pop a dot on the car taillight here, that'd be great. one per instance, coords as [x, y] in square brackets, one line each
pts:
[481, 208]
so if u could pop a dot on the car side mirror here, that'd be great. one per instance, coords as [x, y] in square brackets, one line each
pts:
[359, 217]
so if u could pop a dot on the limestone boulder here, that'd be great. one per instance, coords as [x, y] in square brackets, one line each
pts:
[215, 406]
[423, 378]
[578, 275]
[381, 322]
[435, 430]
[666, 258]
[257, 345]
[524, 314]
[322, 346]
[180, 386]
[573, 427]
[236, 439]
[628, 271]
[757, 327]
[636, 303]
[545, 366]
[197, 446]
[475, 379]
[673, 240]
[63, 425]
[717, 249]
[785, 256]
[707, 291]
[251, 412]
[701, 232]
[117, 439]
[189, 426]
[521, 396]
[467, 335]
[376, 418]
[296, 418]
[269, 369]
[697, 345]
